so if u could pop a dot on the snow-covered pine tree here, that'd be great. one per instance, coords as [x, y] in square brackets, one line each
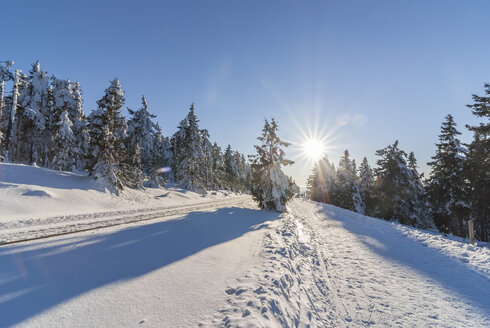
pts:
[366, 186]
[419, 207]
[393, 185]
[190, 154]
[477, 169]
[218, 166]
[240, 176]
[142, 131]
[107, 129]
[33, 133]
[321, 184]
[5, 76]
[66, 148]
[207, 167]
[162, 159]
[347, 194]
[14, 137]
[447, 188]
[64, 101]
[130, 170]
[76, 114]
[269, 184]
[230, 169]
[177, 146]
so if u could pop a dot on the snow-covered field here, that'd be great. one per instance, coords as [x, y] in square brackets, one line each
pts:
[218, 261]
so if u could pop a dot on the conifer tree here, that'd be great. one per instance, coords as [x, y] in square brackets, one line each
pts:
[230, 168]
[76, 114]
[218, 166]
[107, 135]
[270, 186]
[207, 167]
[393, 185]
[63, 100]
[142, 131]
[5, 76]
[347, 194]
[447, 186]
[32, 132]
[66, 149]
[162, 160]
[321, 184]
[477, 169]
[14, 138]
[190, 155]
[419, 207]
[367, 186]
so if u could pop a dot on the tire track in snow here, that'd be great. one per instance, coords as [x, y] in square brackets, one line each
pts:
[70, 224]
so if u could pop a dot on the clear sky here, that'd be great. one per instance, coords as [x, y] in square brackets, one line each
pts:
[361, 73]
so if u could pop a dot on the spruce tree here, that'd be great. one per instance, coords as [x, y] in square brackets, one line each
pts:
[270, 186]
[367, 186]
[230, 168]
[35, 133]
[142, 131]
[5, 76]
[419, 207]
[321, 184]
[393, 185]
[76, 114]
[162, 160]
[190, 154]
[347, 194]
[66, 149]
[207, 167]
[107, 135]
[477, 169]
[64, 100]
[218, 166]
[447, 188]
[14, 136]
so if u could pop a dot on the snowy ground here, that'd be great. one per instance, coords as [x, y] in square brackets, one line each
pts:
[327, 267]
[28, 192]
[36, 202]
[218, 261]
[317, 265]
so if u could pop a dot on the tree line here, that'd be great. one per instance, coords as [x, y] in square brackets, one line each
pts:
[42, 122]
[457, 189]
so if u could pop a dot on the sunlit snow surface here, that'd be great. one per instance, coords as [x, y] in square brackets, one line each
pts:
[316, 265]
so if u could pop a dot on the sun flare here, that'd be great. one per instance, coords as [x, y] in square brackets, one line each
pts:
[314, 149]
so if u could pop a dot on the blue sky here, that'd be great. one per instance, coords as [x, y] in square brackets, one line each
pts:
[363, 73]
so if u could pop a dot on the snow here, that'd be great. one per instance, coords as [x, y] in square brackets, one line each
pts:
[224, 263]
[75, 193]
[168, 273]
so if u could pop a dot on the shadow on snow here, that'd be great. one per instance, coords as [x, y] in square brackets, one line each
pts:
[386, 240]
[38, 276]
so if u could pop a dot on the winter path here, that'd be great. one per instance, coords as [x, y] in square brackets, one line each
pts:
[316, 266]
[327, 267]
[163, 273]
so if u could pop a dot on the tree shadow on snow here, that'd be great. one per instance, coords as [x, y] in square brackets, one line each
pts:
[386, 240]
[36, 277]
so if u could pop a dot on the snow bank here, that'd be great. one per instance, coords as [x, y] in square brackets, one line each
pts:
[30, 192]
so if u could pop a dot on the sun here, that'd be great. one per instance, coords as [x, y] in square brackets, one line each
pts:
[314, 149]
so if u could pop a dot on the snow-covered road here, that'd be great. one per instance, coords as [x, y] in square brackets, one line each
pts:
[164, 273]
[328, 267]
[316, 266]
